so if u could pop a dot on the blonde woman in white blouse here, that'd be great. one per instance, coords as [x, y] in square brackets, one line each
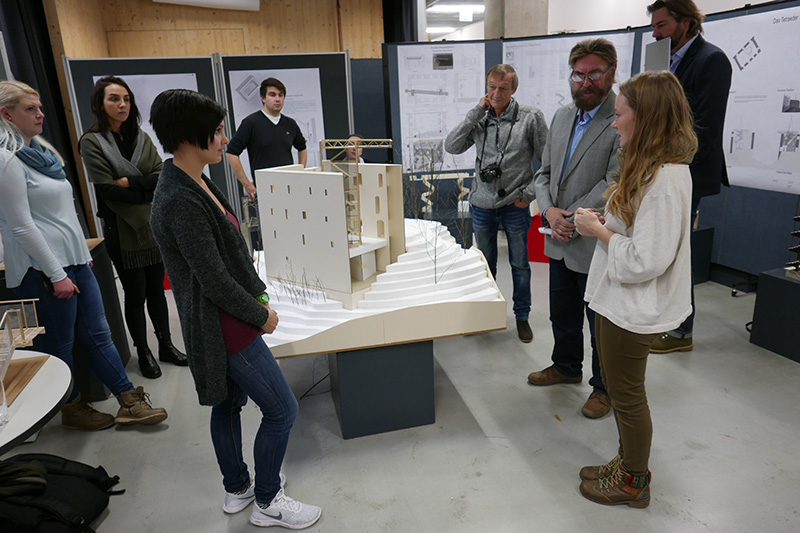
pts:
[640, 278]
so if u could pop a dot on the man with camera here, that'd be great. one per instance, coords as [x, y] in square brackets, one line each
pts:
[507, 136]
[580, 155]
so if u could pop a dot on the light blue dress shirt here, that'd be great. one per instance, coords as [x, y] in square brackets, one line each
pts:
[676, 58]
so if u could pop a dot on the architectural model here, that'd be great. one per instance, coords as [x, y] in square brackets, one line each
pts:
[407, 280]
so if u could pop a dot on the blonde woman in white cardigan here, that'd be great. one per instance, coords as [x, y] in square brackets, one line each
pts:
[640, 279]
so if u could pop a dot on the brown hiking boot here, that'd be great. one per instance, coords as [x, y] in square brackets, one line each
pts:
[667, 343]
[135, 408]
[619, 488]
[591, 473]
[551, 376]
[81, 415]
[597, 406]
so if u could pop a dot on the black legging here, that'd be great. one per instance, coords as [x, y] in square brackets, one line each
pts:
[140, 285]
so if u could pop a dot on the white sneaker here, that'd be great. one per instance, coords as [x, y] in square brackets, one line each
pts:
[285, 512]
[237, 502]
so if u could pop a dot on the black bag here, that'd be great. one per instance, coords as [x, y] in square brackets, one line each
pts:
[45, 493]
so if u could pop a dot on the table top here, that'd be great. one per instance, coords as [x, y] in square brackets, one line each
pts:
[40, 400]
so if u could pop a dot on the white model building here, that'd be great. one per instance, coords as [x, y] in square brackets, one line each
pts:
[333, 294]
[304, 224]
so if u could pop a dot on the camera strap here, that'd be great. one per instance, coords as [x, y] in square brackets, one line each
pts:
[505, 146]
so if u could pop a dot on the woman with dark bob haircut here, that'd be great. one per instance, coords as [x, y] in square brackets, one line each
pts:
[223, 310]
[639, 281]
[124, 165]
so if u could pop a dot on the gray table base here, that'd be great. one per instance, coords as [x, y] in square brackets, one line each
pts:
[382, 389]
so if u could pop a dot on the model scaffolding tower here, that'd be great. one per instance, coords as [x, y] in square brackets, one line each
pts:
[18, 327]
[352, 178]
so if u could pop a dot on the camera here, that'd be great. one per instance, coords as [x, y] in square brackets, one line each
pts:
[491, 173]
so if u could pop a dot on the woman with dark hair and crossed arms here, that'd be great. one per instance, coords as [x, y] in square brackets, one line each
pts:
[124, 165]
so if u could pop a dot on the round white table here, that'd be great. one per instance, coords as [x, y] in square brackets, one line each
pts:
[40, 400]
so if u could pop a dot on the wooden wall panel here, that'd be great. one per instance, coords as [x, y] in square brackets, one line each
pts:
[281, 26]
[303, 26]
[80, 27]
[362, 27]
[166, 43]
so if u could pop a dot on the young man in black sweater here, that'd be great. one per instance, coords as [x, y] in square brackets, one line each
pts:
[267, 136]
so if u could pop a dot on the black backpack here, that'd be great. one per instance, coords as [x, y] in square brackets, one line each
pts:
[45, 493]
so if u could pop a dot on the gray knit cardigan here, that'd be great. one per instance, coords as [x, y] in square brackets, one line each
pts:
[209, 268]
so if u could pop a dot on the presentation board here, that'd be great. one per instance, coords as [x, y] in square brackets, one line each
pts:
[438, 84]
[318, 94]
[762, 124]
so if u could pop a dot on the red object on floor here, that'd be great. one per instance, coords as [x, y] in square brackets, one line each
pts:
[167, 286]
[536, 242]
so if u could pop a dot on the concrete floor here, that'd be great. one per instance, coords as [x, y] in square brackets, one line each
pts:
[502, 455]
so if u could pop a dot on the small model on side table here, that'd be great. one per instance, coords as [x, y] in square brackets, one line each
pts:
[793, 267]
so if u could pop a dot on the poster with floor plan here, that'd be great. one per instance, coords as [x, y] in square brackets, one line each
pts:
[761, 139]
[762, 125]
[438, 84]
[543, 68]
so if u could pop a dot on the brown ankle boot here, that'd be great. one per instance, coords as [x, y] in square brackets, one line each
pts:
[589, 473]
[81, 415]
[619, 488]
[135, 408]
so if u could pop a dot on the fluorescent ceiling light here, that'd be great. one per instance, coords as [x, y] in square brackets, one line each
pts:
[440, 29]
[456, 8]
[245, 5]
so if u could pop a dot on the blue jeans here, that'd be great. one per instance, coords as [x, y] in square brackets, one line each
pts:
[81, 316]
[253, 372]
[566, 317]
[516, 221]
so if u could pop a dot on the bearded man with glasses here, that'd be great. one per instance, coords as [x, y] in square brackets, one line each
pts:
[577, 165]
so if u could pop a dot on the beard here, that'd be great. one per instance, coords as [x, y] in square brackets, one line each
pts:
[675, 39]
[587, 98]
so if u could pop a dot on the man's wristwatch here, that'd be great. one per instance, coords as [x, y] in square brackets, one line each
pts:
[263, 298]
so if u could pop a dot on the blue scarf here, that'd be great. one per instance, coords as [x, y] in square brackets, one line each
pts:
[42, 160]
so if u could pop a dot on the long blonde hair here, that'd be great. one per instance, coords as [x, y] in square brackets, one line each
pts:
[11, 92]
[662, 133]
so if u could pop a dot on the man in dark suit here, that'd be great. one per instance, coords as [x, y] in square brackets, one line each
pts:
[705, 74]
[577, 164]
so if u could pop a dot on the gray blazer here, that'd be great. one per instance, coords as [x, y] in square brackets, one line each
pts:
[586, 179]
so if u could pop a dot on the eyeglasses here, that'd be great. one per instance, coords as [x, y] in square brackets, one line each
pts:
[595, 75]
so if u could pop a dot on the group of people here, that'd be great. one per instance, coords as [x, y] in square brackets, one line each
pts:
[619, 185]
[155, 215]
